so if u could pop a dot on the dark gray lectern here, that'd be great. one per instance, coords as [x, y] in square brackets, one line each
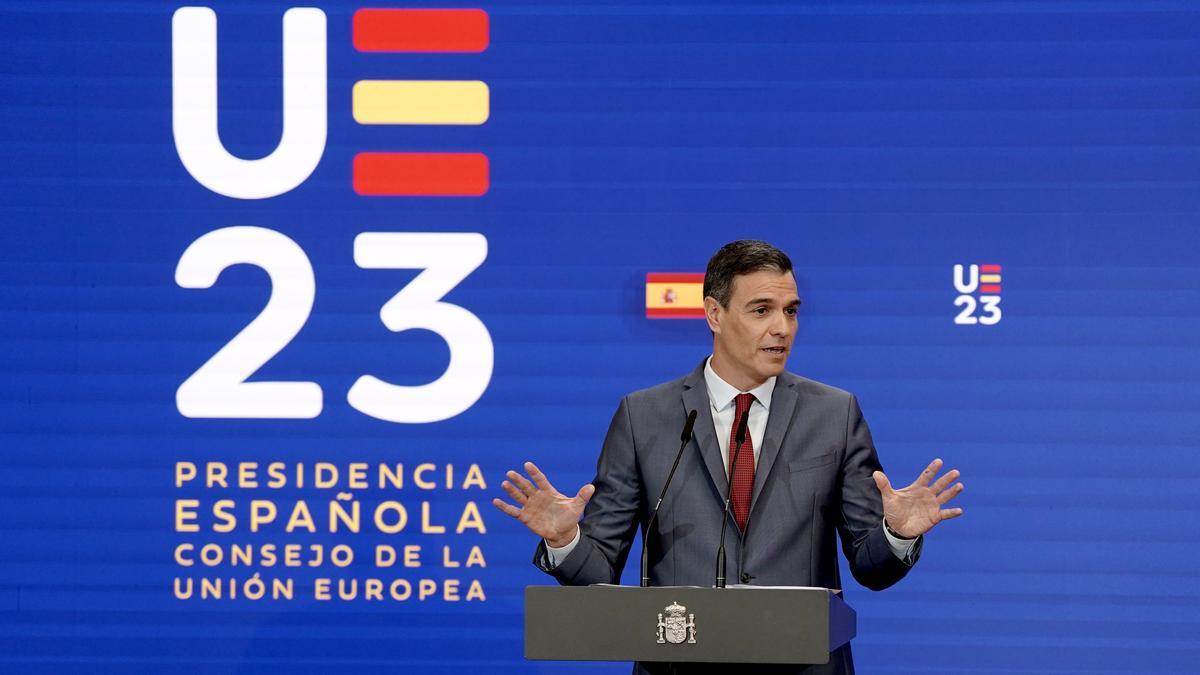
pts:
[739, 624]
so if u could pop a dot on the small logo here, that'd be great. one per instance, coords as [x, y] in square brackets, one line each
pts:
[978, 289]
[675, 628]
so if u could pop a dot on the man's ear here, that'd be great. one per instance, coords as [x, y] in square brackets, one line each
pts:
[712, 313]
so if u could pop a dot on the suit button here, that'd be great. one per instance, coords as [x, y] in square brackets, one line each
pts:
[746, 577]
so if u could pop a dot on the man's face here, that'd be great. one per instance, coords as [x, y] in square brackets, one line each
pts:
[753, 335]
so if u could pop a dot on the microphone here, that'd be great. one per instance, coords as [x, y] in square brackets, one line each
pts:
[738, 440]
[683, 441]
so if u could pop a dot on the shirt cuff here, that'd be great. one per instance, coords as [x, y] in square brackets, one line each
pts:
[901, 547]
[556, 555]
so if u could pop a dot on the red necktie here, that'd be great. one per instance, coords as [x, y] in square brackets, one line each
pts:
[743, 477]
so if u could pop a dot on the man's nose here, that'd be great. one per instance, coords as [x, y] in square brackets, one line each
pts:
[781, 326]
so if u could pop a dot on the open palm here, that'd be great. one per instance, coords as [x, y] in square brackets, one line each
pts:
[914, 510]
[547, 512]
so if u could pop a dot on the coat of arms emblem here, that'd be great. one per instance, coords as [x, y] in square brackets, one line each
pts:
[678, 626]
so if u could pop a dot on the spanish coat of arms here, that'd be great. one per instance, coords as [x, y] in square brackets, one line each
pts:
[676, 629]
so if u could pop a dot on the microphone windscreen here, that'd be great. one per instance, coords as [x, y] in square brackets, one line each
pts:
[687, 428]
[741, 430]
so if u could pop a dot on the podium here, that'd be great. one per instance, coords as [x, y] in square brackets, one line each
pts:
[739, 624]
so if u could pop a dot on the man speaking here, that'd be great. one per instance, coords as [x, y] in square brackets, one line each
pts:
[804, 469]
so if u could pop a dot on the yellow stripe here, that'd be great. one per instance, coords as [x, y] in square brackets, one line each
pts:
[989, 278]
[686, 295]
[421, 102]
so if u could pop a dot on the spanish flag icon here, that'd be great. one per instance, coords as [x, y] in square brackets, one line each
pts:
[674, 295]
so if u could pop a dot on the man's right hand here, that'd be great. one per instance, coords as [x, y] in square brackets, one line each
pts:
[547, 512]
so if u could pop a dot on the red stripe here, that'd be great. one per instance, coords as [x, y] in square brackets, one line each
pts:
[421, 30]
[674, 312]
[989, 289]
[989, 269]
[674, 278]
[412, 174]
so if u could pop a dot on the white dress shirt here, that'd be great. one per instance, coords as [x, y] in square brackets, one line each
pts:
[721, 396]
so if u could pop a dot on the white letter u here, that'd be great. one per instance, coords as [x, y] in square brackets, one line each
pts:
[194, 85]
[964, 286]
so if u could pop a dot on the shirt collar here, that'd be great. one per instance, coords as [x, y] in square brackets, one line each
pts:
[722, 394]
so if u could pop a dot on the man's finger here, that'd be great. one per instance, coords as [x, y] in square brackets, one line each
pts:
[522, 484]
[514, 492]
[950, 494]
[947, 514]
[538, 477]
[881, 482]
[506, 507]
[585, 493]
[945, 480]
[929, 472]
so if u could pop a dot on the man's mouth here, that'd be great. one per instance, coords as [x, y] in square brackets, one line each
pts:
[775, 350]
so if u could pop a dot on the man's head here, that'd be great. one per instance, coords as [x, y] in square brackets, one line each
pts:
[750, 302]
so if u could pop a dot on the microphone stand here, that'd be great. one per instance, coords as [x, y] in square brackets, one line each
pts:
[683, 441]
[738, 440]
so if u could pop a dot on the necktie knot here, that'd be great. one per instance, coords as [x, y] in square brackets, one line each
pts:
[742, 403]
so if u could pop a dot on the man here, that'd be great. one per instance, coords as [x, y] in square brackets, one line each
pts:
[806, 469]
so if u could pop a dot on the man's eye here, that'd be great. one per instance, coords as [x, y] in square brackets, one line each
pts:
[760, 310]
[791, 311]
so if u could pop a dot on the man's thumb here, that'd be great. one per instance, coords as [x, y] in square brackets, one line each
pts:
[881, 481]
[585, 493]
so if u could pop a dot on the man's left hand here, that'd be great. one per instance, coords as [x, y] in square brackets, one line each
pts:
[912, 511]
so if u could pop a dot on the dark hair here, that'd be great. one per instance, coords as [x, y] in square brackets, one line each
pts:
[740, 257]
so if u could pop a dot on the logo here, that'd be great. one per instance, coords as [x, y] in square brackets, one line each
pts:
[675, 628]
[222, 388]
[978, 289]
[305, 116]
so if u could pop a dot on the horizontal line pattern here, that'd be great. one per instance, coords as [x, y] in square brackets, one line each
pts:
[872, 141]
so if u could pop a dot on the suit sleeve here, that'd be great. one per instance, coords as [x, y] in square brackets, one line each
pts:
[611, 518]
[872, 561]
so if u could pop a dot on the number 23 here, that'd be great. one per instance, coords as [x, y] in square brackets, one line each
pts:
[218, 389]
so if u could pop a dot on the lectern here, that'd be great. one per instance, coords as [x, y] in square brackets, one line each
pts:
[739, 624]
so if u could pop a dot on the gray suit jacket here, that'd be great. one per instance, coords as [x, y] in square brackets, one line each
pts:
[813, 479]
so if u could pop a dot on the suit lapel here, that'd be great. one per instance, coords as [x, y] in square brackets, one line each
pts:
[695, 397]
[783, 409]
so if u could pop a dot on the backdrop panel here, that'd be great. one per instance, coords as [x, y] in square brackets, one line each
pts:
[285, 291]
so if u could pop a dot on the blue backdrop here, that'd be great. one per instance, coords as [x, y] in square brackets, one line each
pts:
[879, 143]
